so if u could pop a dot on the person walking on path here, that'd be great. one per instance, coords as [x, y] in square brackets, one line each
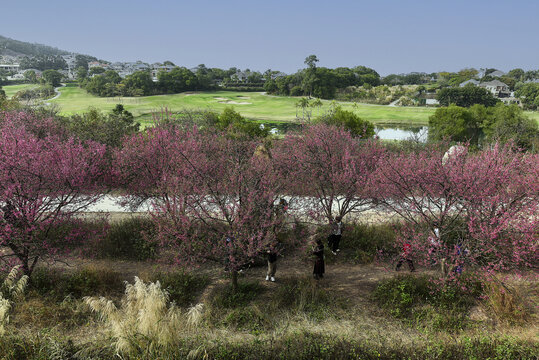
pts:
[336, 234]
[271, 256]
[406, 256]
[319, 267]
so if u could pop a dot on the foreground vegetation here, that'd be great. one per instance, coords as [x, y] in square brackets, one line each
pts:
[468, 216]
[360, 311]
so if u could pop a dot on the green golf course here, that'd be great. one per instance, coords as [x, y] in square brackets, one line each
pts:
[13, 89]
[253, 105]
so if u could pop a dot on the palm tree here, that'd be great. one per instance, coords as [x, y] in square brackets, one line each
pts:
[317, 103]
[303, 103]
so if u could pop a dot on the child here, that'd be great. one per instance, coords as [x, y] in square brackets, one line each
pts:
[272, 264]
[406, 256]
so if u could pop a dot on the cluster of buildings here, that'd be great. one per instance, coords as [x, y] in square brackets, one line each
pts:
[496, 87]
[122, 68]
[127, 68]
[16, 73]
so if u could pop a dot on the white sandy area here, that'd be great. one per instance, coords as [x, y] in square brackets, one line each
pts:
[235, 102]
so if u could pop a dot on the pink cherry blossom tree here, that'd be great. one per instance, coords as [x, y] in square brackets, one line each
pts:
[44, 181]
[475, 208]
[213, 195]
[328, 170]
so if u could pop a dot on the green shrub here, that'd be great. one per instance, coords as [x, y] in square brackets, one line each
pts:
[130, 238]
[85, 282]
[419, 299]
[182, 287]
[305, 295]
[246, 292]
[247, 318]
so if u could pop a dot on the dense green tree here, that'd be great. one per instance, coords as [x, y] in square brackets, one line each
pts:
[178, 80]
[96, 70]
[456, 124]
[310, 74]
[529, 95]
[52, 77]
[104, 84]
[139, 80]
[109, 129]
[505, 123]
[83, 60]
[479, 124]
[466, 96]
[350, 121]
[236, 125]
[30, 76]
[517, 74]
[43, 62]
[81, 73]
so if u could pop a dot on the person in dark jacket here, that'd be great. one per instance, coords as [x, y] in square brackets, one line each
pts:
[271, 255]
[335, 236]
[319, 267]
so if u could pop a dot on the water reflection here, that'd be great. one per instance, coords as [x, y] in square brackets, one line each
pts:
[418, 133]
[385, 132]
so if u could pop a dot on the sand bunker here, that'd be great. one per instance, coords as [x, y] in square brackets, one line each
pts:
[244, 97]
[235, 102]
[221, 99]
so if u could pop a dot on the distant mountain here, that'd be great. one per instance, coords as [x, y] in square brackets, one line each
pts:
[12, 47]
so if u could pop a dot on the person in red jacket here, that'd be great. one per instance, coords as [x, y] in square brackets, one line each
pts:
[406, 256]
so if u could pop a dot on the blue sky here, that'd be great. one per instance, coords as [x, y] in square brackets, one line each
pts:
[391, 36]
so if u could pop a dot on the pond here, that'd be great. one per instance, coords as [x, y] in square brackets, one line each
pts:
[385, 132]
[402, 132]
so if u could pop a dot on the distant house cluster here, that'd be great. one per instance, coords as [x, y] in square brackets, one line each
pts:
[16, 74]
[127, 68]
[496, 87]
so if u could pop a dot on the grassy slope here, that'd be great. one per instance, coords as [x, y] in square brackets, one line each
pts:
[260, 107]
[13, 89]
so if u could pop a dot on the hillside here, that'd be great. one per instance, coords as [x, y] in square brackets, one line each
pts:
[11, 47]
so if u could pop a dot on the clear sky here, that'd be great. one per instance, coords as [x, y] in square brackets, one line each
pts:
[391, 36]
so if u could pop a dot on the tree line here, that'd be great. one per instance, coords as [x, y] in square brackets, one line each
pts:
[214, 189]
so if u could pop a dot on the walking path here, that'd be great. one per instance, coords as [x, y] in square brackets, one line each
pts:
[58, 93]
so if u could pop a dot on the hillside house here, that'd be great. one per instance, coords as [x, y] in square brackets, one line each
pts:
[497, 73]
[497, 88]
[93, 64]
[156, 68]
[471, 81]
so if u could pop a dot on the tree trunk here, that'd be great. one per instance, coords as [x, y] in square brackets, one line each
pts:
[234, 280]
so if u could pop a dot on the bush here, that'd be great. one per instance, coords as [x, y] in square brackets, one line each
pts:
[249, 318]
[506, 303]
[361, 243]
[422, 300]
[304, 295]
[130, 239]
[246, 292]
[182, 287]
[85, 282]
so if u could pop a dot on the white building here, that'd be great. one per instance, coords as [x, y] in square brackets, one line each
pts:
[10, 67]
[496, 87]
[158, 67]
